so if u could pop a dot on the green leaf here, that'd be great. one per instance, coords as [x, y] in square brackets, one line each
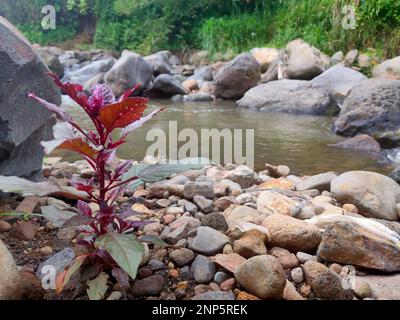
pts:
[97, 288]
[125, 249]
[154, 240]
[57, 215]
[158, 172]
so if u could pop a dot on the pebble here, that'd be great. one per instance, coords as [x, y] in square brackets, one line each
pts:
[195, 188]
[150, 286]
[251, 244]
[203, 269]
[205, 205]
[304, 257]
[297, 275]
[224, 203]
[215, 221]
[214, 287]
[4, 226]
[287, 259]
[182, 257]
[228, 285]
[189, 206]
[24, 230]
[46, 250]
[185, 273]
[208, 241]
[155, 265]
[220, 277]
[115, 296]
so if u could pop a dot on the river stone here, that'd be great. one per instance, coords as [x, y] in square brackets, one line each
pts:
[242, 175]
[208, 241]
[236, 77]
[205, 205]
[10, 280]
[150, 286]
[305, 62]
[129, 70]
[160, 62]
[325, 283]
[236, 215]
[182, 256]
[350, 243]
[339, 81]
[262, 276]
[362, 142]
[83, 75]
[58, 261]
[215, 296]
[166, 86]
[215, 220]
[196, 188]
[202, 74]
[320, 182]
[251, 244]
[203, 269]
[23, 123]
[289, 96]
[372, 107]
[337, 57]
[375, 195]
[270, 202]
[265, 56]
[51, 60]
[383, 287]
[287, 259]
[292, 234]
[389, 69]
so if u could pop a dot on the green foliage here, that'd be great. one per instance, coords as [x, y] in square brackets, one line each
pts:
[217, 25]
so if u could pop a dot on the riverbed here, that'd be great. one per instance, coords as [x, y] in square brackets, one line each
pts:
[301, 142]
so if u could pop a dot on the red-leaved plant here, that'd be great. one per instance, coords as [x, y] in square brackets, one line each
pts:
[108, 236]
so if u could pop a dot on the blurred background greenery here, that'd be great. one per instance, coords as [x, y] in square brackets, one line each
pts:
[219, 26]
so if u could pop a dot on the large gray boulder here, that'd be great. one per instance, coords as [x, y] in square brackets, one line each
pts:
[373, 108]
[166, 86]
[160, 62]
[289, 96]
[130, 69]
[83, 75]
[339, 81]
[388, 69]
[305, 61]
[375, 195]
[23, 122]
[237, 76]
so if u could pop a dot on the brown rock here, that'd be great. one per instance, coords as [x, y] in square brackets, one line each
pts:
[4, 226]
[190, 85]
[24, 230]
[224, 203]
[290, 292]
[230, 262]
[262, 276]
[292, 234]
[10, 279]
[273, 202]
[251, 244]
[28, 205]
[348, 243]
[325, 283]
[286, 259]
[228, 285]
[243, 295]
[280, 183]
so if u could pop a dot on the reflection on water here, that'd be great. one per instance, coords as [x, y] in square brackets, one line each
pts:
[301, 142]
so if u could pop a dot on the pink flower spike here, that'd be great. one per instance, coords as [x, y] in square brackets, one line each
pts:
[61, 114]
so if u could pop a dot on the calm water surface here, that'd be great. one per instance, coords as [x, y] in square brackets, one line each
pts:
[301, 142]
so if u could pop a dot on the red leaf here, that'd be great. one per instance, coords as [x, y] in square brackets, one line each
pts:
[129, 92]
[79, 146]
[84, 208]
[74, 91]
[121, 114]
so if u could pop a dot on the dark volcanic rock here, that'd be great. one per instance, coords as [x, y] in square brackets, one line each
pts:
[23, 122]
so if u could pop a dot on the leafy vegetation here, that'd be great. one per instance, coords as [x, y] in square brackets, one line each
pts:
[216, 25]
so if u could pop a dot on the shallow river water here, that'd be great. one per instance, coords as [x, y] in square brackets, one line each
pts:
[301, 142]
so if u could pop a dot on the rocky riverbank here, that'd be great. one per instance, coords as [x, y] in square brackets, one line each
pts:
[233, 234]
[297, 79]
